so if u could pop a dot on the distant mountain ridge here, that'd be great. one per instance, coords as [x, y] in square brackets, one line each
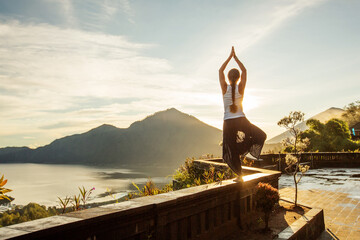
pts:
[166, 137]
[322, 117]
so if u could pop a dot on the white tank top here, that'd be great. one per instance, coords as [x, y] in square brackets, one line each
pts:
[228, 101]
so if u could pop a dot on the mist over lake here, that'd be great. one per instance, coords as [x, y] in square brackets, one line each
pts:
[43, 183]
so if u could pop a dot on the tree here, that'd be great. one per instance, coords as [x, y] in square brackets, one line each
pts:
[29, 212]
[352, 113]
[333, 136]
[290, 123]
[295, 169]
[294, 144]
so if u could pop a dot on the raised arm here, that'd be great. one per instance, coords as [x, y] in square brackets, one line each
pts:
[243, 75]
[223, 83]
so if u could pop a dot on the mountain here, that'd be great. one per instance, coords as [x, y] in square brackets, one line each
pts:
[322, 117]
[166, 137]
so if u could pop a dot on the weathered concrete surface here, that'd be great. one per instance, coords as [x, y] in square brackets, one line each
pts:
[208, 211]
[309, 226]
[342, 212]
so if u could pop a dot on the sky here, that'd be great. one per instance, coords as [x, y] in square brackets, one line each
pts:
[67, 66]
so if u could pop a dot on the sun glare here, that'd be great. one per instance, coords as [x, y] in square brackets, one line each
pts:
[250, 102]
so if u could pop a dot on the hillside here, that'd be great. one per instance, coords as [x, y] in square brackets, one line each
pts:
[166, 137]
[322, 117]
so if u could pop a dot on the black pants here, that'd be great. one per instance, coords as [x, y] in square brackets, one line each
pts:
[241, 137]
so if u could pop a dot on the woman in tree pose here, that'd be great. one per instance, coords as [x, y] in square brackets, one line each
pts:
[240, 137]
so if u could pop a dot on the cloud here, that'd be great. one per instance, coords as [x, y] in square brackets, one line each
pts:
[68, 12]
[111, 7]
[102, 13]
[278, 16]
[28, 137]
[52, 77]
[247, 30]
[66, 8]
[60, 125]
[49, 73]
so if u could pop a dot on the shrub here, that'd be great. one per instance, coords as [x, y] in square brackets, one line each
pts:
[188, 176]
[266, 198]
[148, 189]
[332, 136]
[30, 212]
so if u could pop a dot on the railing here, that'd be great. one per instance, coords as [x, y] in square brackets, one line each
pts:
[316, 160]
[209, 211]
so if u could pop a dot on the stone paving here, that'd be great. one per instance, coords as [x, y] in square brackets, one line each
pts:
[342, 212]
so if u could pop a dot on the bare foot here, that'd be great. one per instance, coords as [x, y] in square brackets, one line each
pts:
[239, 179]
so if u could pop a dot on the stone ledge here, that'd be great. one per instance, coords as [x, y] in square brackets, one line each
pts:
[309, 226]
[199, 212]
[39, 225]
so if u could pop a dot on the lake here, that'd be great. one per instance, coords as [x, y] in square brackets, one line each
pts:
[43, 183]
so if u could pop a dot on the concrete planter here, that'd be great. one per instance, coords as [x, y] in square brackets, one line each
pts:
[309, 226]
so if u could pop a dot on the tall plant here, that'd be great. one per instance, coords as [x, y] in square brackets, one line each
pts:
[294, 144]
[295, 169]
[64, 203]
[76, 202]
[85, 194]
[4, 190]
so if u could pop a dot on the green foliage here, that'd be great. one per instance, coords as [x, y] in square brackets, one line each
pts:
[111, 195]
[186, 176]
[149, 189]
[64, 203]
[289, 123]
[266, 197]
[76, 202]
[333, 136]
[189, 176]
[352, 113]
[4, 190]
[248, 161]
[167, 188]
[85, 194]
[30, 212]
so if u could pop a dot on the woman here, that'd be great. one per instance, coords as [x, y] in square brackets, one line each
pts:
[240, 137]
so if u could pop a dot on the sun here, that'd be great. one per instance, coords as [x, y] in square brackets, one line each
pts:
[250, 102]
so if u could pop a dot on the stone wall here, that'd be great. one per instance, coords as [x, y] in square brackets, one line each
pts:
[315, 160]
[209, 211]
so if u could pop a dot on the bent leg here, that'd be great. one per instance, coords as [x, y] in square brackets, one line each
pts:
[258, 140]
